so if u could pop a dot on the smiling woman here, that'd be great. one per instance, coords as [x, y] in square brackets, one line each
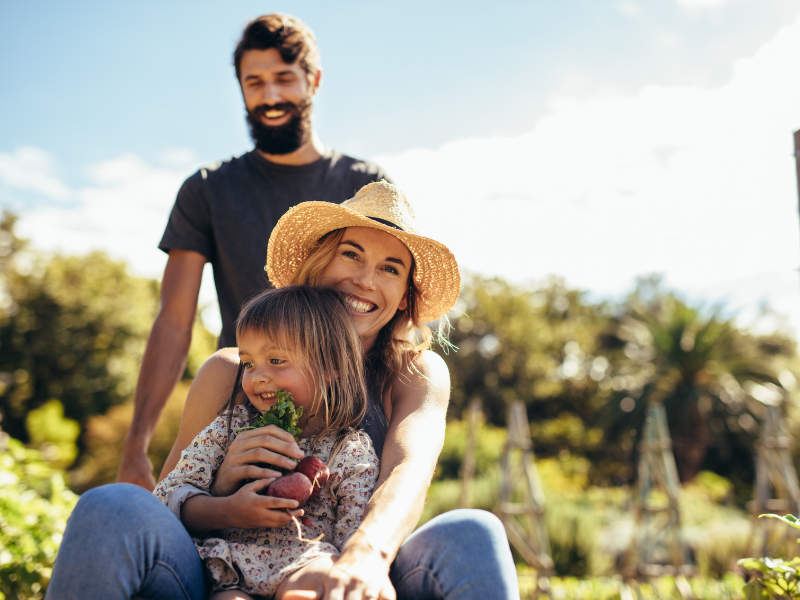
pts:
[395, 280]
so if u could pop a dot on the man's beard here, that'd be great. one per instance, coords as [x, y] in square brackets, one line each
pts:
[281, 139]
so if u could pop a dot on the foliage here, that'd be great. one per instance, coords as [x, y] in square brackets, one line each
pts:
[34, 506]
[283, 413]
[53, 434]
[72, 328]
[705, 371]
[488, 448]
[104, 436]
[72, 331]
[590, 527]
[613, 588]
[538, 344]
[520, 343]
[773, 577]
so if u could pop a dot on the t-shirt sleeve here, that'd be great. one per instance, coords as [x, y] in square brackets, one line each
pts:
[189, 226]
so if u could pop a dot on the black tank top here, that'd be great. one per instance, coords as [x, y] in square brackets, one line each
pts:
[374, 422]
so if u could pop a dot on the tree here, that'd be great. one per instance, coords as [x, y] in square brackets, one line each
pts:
[700, 365]
[72, 328]
[537, 344]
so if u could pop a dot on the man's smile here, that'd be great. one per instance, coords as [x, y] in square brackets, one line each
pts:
[274, 114]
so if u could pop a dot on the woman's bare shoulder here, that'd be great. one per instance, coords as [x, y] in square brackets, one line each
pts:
[214, 381]
[427, 381]
[223, 362]
[431, 368]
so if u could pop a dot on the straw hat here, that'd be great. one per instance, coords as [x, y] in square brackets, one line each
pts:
[379, 206]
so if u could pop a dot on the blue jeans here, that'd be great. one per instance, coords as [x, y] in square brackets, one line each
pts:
[122, 542]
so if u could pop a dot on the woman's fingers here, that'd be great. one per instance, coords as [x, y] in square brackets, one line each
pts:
[299, 595]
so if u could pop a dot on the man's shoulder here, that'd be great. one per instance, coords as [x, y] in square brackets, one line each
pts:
[232, 166]
[358, 167]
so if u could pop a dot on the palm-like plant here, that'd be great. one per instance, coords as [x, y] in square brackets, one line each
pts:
[700, 366]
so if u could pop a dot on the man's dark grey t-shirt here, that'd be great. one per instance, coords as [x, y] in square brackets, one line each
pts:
[227, 211]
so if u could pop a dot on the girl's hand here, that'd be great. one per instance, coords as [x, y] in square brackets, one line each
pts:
[248, 510]
[269, 444]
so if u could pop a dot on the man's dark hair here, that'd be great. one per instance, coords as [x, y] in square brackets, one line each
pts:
[294, 40]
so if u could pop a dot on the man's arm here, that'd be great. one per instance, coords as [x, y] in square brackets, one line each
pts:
[163, 362]
[413, 443]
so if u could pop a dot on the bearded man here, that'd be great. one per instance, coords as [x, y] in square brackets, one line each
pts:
[225, 212]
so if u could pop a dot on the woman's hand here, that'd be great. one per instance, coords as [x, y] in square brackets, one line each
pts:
[269, 444]
[359, 573]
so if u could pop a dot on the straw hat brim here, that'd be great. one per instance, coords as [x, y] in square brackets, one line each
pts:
[436, 275]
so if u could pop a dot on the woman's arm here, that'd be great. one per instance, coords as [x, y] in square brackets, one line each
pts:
[413, 443]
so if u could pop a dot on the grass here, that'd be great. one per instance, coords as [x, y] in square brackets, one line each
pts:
[728, 587]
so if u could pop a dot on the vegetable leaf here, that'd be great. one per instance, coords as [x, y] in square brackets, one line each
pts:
[283, 413]
[788, 519]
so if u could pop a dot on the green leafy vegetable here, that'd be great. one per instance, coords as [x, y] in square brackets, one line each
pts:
[283, 413]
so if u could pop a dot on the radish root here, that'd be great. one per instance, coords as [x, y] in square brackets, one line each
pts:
[300, 533]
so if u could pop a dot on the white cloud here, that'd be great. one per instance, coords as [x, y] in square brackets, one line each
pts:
[627, 8]
[122, 210]
[698, 184]
[694, 5]
[32, 169]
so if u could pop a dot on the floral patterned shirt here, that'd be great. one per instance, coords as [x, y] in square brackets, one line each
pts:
[257, 560]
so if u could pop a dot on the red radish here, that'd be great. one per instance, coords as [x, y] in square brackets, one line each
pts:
[294, 486]
[316, 470]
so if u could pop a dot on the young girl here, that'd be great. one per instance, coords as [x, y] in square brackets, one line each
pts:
[298, 339]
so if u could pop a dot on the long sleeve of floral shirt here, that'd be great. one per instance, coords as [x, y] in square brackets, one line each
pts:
[257, 560]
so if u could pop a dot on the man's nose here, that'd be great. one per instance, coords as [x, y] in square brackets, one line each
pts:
[271, 95]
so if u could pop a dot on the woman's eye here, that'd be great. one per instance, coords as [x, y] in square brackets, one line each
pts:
[349, 254]
[276, 361]
[392, 270]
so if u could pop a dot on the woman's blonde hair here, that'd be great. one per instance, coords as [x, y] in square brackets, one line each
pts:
[313, 325]
[401, 341]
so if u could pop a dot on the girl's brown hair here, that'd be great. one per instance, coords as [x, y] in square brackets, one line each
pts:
[315, 327]
[400, 341]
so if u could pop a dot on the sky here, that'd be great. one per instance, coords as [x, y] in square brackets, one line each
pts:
[596, 140]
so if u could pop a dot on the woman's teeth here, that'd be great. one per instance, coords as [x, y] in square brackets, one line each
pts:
[359, 306]
[267, 395]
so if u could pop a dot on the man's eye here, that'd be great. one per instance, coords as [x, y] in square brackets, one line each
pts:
[247, 365]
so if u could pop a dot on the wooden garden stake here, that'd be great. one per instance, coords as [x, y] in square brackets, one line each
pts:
[774, 471]
[473, 414]
[524, 521]
[658, 548]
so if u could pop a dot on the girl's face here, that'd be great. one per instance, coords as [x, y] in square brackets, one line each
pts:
[267, 369]
[371, 267]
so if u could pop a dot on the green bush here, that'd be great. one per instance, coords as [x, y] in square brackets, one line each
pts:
[34, 506]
